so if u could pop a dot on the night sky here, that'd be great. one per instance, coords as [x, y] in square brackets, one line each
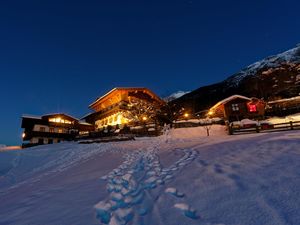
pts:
[58, 56]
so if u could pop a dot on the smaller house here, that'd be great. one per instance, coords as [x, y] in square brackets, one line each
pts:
[238, 107]
[52, 128]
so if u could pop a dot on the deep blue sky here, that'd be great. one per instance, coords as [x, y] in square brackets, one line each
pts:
[61, 55]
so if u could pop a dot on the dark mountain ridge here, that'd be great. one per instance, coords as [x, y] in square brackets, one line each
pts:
[272, 78]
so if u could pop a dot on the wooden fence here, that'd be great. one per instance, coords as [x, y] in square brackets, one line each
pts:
[291, 125]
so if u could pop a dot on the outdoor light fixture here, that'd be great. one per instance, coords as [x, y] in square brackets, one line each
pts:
[23, 135]
[210, 113]
[144, 118]
[186, 115]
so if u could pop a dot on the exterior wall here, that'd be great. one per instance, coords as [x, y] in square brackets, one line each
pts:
[35, 140]
[237, 115]
[218, 111]
[38, 127]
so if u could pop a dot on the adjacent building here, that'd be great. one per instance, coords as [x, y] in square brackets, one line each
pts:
[122, 106]
[238, 107]
[52, 128]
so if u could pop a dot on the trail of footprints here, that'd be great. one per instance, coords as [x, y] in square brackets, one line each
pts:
[129, 186]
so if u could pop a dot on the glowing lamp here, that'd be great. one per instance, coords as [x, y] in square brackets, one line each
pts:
[144, 118]
[210, 113]
[23, 135]
[186, 115]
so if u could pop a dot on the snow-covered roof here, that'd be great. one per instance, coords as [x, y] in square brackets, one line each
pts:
[46, 115]
[224, 101]
[285, 100]
[31, 116]
[54, 114]
[84, 123]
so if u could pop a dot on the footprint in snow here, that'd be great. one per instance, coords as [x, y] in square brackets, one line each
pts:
[202, 162]
[218, 168]
[174, 192]
[187, 210]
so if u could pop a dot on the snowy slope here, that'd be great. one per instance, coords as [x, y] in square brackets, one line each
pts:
[288, 57]
[180, 178]
[175, 95]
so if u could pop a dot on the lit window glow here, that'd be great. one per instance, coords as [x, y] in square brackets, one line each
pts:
[252, 108]
[115, 119]
[59, 120]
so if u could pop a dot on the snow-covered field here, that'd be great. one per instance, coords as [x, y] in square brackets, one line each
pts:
[180, 178]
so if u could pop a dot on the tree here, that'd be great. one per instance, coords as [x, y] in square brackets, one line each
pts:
[171, 112]
[139, 111]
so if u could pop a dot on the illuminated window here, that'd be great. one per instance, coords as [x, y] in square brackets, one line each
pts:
[235, 107]
[59, 120]
[252, 108]
[60, 130]
[51, 130]
[42, 129]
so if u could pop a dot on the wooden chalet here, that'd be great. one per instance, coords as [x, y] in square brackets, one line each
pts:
[238, 107]
[111, 109]
[52, 128]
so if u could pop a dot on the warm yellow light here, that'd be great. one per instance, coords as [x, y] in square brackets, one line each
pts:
[186, 115]
[23, 135]
[210, 113]
[144, 118]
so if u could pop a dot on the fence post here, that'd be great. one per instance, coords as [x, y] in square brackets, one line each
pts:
[230, 130]
[291, 124]
[257, 129]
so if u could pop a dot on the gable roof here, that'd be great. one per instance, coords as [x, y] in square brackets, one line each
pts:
[224, 101]
[59, 114]
[48, 115]
[126, 89]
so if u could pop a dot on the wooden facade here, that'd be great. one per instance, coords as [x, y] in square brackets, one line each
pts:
[111, 108]
[283, 107]
[52, 128]
[237, 107]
